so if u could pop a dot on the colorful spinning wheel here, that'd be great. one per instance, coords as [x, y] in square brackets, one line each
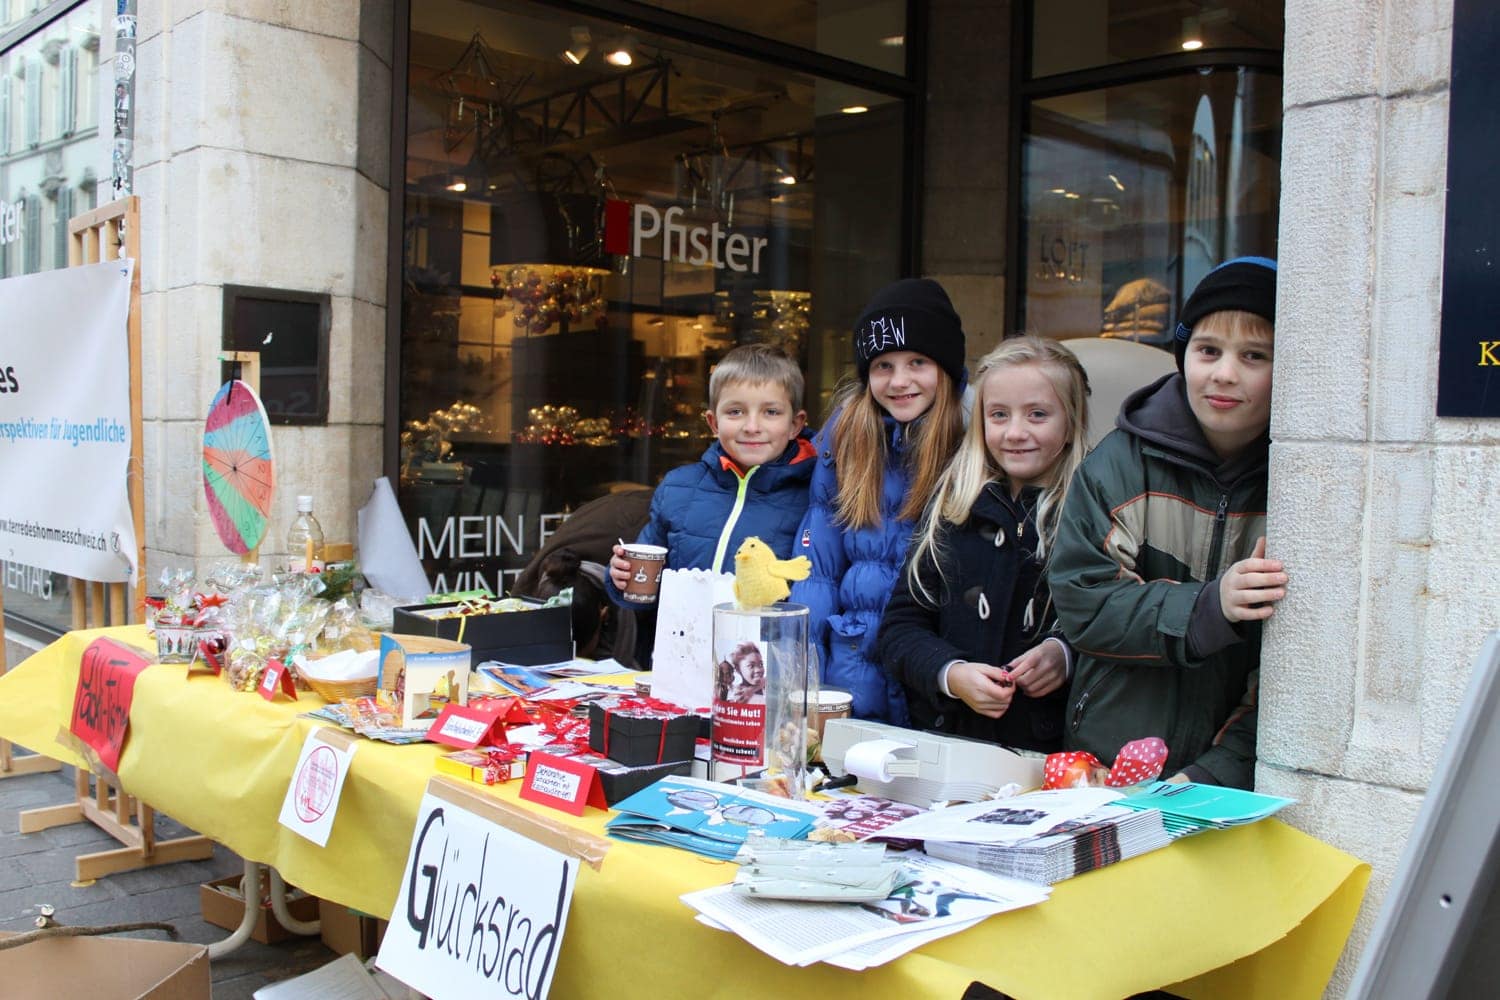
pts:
[239, 478]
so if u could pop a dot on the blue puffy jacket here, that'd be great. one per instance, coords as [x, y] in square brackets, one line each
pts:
[703, 511]
[853, 574]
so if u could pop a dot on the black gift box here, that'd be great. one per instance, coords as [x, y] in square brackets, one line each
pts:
[536, 635]
[636, 739]
[620, 781]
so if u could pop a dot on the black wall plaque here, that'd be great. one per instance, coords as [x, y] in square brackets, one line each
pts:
[1469, 351]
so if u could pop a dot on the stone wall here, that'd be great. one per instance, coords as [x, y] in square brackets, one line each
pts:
[1377, 506]
[261, 158]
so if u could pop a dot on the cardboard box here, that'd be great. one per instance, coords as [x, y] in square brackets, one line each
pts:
[642, 736]
[537, 635]
[349, 932]
[423, 674]
[483, 765]
[223, 906]
[113, 967]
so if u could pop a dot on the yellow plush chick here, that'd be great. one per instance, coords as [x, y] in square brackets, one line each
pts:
[760, 578]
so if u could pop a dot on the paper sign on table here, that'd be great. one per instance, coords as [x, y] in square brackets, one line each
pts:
[312, 796]
[466, 727]
[682, 660]
[562, 783]
[502, 880]
[277, 678]
[101, 701]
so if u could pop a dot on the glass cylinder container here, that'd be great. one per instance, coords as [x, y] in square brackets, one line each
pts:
[764, 693]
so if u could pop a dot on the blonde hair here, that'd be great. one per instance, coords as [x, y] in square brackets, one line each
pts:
[973, 467]
[756, 364]
[862, 452]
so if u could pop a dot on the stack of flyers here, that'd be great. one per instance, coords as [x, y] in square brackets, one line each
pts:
[851, 816]
[1002, 821]
[707, 817]
[1102, 837]
[536, 684]
[1189, 808]
[371, 718]
[932, 899]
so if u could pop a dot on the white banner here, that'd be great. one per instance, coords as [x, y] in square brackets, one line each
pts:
[65, 421]
[481, 909]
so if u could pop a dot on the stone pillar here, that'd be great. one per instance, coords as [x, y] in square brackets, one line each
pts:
[967, 167]
[1378, 507]
[262, 158]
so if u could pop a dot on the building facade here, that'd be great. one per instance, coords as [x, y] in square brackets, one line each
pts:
[505, 240]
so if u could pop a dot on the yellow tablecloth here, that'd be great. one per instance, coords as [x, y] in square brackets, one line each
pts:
[1263, 910]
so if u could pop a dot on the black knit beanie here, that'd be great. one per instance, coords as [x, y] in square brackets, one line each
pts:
[1247, 284]
[913, 314]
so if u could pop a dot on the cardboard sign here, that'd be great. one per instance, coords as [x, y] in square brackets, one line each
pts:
[101, 701]
[312, 796]
[562, 783]
[481, 909]
[277, 678]
[466, 728]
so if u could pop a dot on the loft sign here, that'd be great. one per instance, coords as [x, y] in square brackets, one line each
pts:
[629, 225]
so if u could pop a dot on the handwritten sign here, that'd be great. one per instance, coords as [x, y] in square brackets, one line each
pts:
[312, 796]
[277, 678]
[562, 783]
[101, 701]
[481, 909]
[466, 727]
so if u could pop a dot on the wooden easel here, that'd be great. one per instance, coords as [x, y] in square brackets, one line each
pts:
[97, 236]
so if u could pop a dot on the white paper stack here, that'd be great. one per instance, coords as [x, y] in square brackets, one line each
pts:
[1102, 837]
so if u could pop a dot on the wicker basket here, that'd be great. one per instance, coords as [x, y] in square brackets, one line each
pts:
[332, 691]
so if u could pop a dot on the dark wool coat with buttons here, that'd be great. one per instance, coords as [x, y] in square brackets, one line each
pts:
[992, 606]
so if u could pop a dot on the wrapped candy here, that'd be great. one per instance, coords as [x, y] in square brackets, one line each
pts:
[1139, 760]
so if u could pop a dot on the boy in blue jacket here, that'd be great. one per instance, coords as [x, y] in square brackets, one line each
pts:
[751, 481]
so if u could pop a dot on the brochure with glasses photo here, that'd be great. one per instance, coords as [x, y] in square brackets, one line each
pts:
[707, 817]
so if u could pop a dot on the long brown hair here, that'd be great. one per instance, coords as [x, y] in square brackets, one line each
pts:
[862, 452]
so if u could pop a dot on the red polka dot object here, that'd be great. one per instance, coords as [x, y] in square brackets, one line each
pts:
[1074, 769]
[1138, 761]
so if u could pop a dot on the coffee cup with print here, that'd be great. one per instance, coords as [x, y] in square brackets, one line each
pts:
[646, 564]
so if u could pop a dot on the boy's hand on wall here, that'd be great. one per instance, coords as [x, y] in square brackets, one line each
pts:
[1250, 588]
[984, 688]
[619, 569]
[1040, 670]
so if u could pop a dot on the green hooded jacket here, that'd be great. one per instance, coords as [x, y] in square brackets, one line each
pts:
[1152, 518]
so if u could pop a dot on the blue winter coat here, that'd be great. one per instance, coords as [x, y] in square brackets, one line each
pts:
[853, 575]
[703, 511]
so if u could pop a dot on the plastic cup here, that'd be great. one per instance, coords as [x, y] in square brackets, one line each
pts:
[646, 564]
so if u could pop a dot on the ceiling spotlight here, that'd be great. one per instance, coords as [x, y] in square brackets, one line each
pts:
[582, 39]
[622, 52]
[854, 109]
[893, 41]
[458, 184]
[1192, 34]
[787, 179]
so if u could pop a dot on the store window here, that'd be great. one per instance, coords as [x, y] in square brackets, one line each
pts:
[585, 239]
[1072, 35]
[870, 32]
[1132, 189]
[50, 150]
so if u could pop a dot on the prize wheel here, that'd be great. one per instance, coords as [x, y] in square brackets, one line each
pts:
[239, 478]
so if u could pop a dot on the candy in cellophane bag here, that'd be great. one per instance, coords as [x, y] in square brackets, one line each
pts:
[1138, 761]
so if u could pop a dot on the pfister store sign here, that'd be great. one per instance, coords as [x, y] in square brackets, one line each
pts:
[632, 229]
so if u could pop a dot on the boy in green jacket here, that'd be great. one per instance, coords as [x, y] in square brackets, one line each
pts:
[1159, 572]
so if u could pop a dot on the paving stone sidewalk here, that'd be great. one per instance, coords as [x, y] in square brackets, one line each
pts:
[37, 868]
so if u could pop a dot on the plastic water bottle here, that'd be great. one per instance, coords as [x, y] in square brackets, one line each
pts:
[304, 540]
